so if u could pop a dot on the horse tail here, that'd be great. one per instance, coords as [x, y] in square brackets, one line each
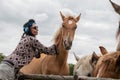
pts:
[118, 31]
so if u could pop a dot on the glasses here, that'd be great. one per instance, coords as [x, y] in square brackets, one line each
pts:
[35, 27]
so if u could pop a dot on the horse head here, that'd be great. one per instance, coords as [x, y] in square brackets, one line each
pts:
[85, 65]
[108, 65]
[68, 30]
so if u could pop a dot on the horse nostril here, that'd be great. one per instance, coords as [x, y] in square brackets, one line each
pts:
[70, 42]
[89, 75]
[65, 41]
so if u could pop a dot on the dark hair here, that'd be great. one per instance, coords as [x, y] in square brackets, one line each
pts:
[27, 26]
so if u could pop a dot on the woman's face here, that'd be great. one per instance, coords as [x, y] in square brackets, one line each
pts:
[34, 29]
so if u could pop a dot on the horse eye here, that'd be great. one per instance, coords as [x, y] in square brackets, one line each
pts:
[89, 75]
[63, 26]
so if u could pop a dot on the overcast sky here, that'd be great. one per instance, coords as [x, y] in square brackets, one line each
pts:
[97, 26]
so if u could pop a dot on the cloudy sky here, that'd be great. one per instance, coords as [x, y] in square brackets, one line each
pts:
[97, 26]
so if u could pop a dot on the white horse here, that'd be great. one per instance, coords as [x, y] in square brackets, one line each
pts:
[85, 65]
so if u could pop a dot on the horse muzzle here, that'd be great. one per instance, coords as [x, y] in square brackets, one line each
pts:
[67, 44]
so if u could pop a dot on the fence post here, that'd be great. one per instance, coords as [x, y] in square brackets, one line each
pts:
[75, 77]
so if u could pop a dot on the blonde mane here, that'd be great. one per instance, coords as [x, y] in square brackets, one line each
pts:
[57, 38]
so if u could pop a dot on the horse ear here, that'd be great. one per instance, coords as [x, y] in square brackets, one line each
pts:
[116, 7]
[76, 57]
[63, 17]
[103, 50]
[78, 18]
[94, 58]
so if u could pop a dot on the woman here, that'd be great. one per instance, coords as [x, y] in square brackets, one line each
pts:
[27, 48]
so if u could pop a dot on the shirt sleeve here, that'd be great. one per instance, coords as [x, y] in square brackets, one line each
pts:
[43, 49]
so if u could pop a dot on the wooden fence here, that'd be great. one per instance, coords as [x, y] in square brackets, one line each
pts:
[58, 77]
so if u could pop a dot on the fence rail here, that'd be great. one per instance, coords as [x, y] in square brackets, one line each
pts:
[58, 77]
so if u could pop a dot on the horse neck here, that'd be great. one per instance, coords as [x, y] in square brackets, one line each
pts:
[63, 54]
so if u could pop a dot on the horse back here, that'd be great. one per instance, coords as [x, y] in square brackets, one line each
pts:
[32, 68]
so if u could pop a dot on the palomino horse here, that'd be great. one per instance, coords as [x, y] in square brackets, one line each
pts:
[57, 64]
[85, 65]
[108, 66]
[116, 7]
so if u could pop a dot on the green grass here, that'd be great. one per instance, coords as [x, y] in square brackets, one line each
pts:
[71, 67]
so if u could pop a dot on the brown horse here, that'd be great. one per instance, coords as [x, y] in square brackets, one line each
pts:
[57, 64]
[108, 66]
[116, 7]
